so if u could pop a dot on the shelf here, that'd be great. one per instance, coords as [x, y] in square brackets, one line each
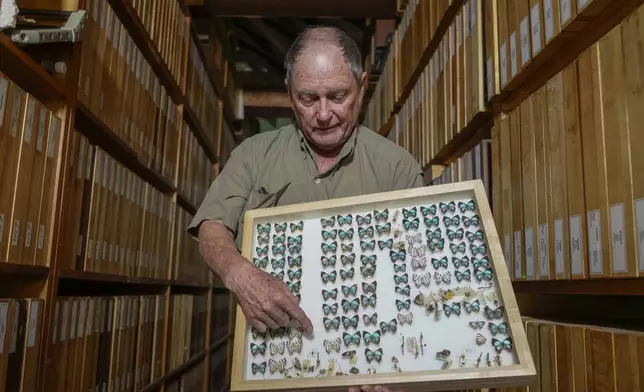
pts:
[465, 140]
[99, 134]
[193, 122]
[23, 270]
[176, 372]
[27, 73]
[615, 286]
[111, 278]
[186, 204]
[220, 342]
[386, 128]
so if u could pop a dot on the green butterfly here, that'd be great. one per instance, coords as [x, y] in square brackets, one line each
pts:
[483, 262]
[328, 222]
[295, 248]
[294, 287]
[436, 245]
[475, 236]
[278, 249]
[365, 232]
[364, 245]
[328, 261]
[391, 326]
[261, 251]
[259, 368]
[330, 324]
[346, 235]
[493, 314]
[331, 234]
[450, 207]
[297, 240]
[502, 345]
[260, 263]
[453, 221]
[295, 274]
[352, 305]
[484, 274]
[386, 244]
[347, 274]
[263, 240]
[381, 215]
[473, 306]
[345, 220]
[452, 235]
[330, 294]
[279, 276]
[369, 287]
[465, 275]
[370, 337]
[298, 226]
[257, 334]
[363, 220]
[464, 262]
[264, 229]
[498, 329]
[280, 227]
[369, 300]
[404, 278]
[409, 213]
[373, 319]
[347, 248]
[348, 259]
[397, 255]
[411, 224]
[454, 309]
[472, 221]
[258, 348]
[368, 271]
[481, 249]
[403, 290]
[328, 277]
[383, 229]
[406, 304]
[400, 267]
[434, 234]
[328, 248]
[330, 309]
[439, 263]
[458, 248]
[350, 290]
[279, 239]
[350, 322]
[351, 339]
[368, 259]
[469, 206]
[278, 263]
[432, 222]
[295, 261]
[431, 210]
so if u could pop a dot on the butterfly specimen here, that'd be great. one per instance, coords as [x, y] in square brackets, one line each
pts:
[409, 224]
[434, 234]
[297, 226]
[473, 306]
[280, 227]
[469, 206]
[278, 249]
[351, 339]
[443, 278]
[477, 236]
[464, 262]
[502, 328]
[471, 221]
[449, 207]
[397, 255]
[409, 213]
[347, 274]
[350, 322]
[277, 332]
[369, 287]
[476, 324]
[330, 309]
[368, 271]
[431, 222]
[385, 244]
[328, 277]
[455, 308]
[368, 260]
[347, 248]
[329, 248]
[435, 246]
[406, 304]
[294, 287]
[481, 249]
[422, 280]
[261, 251]
[295, 244]
[373, 319]
[260, 263]
[298, 297]
[369, 300]
[264, 229]
[493, 314]
[373, 355]
[279, 239]
[458, 248]
[483, 262]
[350, 259]
[279, 276]
[294, 333]
[464, 275]
[371, 337]
[500, 345]
[345, 220]
[453, 221]
[363, 220]
[328, 222]
[370, 245]
[277, 366]
[331, 323]
[330, 294]
[257, 334]
[259, 368]
[431, 210]
[405, 318]
[346, 235]
[419, 263]
[391, 326]
[328, 261]
[480, 339]
[294, 346]
[278, 263]
[486, 274]
[383, 229]
[350, 305]
[381, 215]
[295, 274]
[330, 234]
[258, 348]
[403, 290]
[414, 239]
[400, 267]
[350, 291]
[349, 354]
[398, 279]
[455, 235]
[263, 240]
[332, 345]
[439, 263]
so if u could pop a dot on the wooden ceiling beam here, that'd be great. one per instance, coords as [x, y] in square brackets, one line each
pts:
[266, 99]
[304, 8]
[276, 39]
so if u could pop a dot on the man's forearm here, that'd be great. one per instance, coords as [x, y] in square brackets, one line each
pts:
[218, 249]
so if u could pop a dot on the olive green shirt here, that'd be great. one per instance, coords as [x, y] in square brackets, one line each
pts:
[277, 168]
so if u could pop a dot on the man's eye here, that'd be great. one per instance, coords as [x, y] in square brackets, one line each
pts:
[306, 100]
[339, 97]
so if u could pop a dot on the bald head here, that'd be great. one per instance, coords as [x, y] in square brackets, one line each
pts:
[324, 40]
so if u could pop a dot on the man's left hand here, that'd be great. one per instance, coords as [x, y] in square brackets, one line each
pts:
[375, 388]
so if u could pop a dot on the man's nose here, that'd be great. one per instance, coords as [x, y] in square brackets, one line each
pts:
[324, 113]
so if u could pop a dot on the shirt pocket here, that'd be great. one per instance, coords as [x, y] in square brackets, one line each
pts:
[260, 198]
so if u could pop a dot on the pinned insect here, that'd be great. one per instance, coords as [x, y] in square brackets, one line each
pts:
[385, 244]
[258, 368]
[367, 319]
[396, 364]
[405, 318]
[297, 226]
[418, 263]
[256, 349]
[391, 326]
[413, 346]
[295, 261]
[366, 232]
[350, 291]
[277, 348]
[332, 345]
[277, 366]
[414, 239]
[480, 339]
[350, 322]
[294, 346]
[344, 220]
[346, 234]
[422, 280]
[347, 274]
[381, 215]
[369, 287]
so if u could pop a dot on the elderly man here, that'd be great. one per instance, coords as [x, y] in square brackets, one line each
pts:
[326, 155]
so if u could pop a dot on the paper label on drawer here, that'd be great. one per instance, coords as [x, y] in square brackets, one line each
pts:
[40, 134]
[473, 14]
[63, 329]
[90, 317]
[53, 135]
[4, 88]
[4, 310]
[639, 226]
[576, 262]
[518, 272]
[72, 328]
[525, 41]
[529, 252]
[490, 78]
[549, 19]
[1, 225]
[466, 20]
[33, 324]
[14, 330]
[559, 255]
[459, 28]
[595, 256]
[15, 237]
[618, 238]
[503, 60]
[535, 29]
[513, 54]
[566, 11]
[54, 334]
[28, 235]
[15, 114]
[581, 4]
[544, 256]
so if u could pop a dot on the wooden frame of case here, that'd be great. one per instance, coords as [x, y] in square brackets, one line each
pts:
[521, 373]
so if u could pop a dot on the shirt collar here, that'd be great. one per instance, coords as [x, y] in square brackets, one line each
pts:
[347, 149]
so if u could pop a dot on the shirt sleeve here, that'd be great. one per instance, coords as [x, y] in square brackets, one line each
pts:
[408, 174]
[227, 195]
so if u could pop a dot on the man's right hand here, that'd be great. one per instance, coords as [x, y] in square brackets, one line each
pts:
[265, 300]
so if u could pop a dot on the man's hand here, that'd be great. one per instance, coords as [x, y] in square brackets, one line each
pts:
[376, 388]
[265, 300]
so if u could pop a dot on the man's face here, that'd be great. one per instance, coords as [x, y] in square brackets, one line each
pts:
[325, 96]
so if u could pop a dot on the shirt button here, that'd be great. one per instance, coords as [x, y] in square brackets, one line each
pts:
[317, 180]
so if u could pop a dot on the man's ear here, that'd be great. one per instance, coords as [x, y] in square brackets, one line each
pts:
[286, 86]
